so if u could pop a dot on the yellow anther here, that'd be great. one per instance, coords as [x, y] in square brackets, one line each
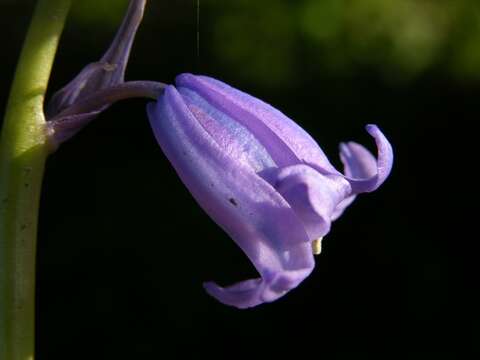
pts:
[317, 246]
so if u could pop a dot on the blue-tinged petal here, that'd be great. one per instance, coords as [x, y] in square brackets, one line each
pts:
[286, 142]
[362, 170]
[359, 163]
[233, 138]
[248, 208]
[313, 196]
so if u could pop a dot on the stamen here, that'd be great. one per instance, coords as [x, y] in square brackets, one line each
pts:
[317, 246]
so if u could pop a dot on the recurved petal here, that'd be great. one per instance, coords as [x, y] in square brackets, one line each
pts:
[254, 292]
[286, 142]
[359, 163]
[362, 170]
[249, 209]
[313, 196]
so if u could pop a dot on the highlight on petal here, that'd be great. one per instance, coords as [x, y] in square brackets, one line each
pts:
[287, 143]
[363, 172]
[231, 136]
[359, 163]
[259, 220]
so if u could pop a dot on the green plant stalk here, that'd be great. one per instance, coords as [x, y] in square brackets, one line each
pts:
[24, 148]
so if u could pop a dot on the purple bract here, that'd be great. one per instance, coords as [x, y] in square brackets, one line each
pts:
[260, 177]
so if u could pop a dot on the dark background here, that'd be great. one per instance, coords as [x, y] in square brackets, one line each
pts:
[123, 248]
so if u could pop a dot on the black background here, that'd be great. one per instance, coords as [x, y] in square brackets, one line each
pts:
[123, 248]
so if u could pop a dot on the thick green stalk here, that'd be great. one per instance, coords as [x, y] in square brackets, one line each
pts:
[23, 151]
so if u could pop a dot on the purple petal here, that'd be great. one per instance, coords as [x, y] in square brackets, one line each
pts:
[359, 163]
[254, 292]
[286, 142]
[232, 137]
[363, 172]
[313, 196]
[249, 209]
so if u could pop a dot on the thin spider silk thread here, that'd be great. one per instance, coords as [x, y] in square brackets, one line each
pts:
[198, 34]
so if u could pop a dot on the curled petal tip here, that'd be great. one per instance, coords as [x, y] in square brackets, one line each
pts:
[242, 295]
[253, 292]
[362, 170]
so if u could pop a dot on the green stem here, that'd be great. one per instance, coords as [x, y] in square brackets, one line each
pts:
[23, 151]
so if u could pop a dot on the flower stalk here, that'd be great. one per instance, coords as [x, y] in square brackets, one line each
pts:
[71, 120]
[23, 151]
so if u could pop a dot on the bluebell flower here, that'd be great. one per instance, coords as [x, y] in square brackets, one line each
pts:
[261, 178]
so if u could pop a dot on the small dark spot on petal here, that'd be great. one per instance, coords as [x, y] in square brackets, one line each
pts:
[23, 227]
[233, 201]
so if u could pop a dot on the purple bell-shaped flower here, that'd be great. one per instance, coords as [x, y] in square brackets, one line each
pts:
[260, 177]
